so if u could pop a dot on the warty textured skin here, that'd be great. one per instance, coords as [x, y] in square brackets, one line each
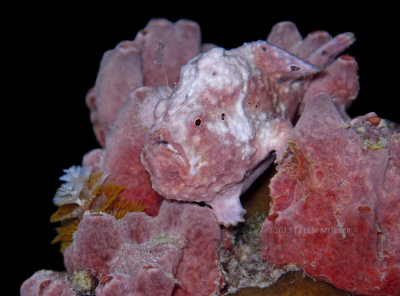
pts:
[230, 111]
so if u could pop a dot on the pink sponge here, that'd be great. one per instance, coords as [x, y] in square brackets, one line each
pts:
[153, 59]
[47, 283]
[335, 201]
[170, 252]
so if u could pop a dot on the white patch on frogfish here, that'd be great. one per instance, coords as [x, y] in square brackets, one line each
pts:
[170, 147]
[220, 71]
[270, 133]
[196, 162]
[227, 207]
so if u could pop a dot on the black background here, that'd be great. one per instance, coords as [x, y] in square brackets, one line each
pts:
[53, 54]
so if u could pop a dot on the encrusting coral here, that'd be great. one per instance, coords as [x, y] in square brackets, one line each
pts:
[185, 128]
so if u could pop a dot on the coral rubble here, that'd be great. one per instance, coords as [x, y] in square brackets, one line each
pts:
[185, 128]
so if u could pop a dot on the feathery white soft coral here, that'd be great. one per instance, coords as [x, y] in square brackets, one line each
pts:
[76, 178]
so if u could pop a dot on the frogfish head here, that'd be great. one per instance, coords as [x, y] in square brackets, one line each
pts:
[225, 116]
[201, 141]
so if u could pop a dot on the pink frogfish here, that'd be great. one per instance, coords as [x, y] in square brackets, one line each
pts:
[231, 113]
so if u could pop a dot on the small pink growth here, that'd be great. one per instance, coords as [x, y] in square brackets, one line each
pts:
[273, 217]
[347, 58]
[364, 209]
[43, 285]
[318, 32]
[374, 120]
[105, 280]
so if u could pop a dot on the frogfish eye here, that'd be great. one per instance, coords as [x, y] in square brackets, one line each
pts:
[197, 122]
